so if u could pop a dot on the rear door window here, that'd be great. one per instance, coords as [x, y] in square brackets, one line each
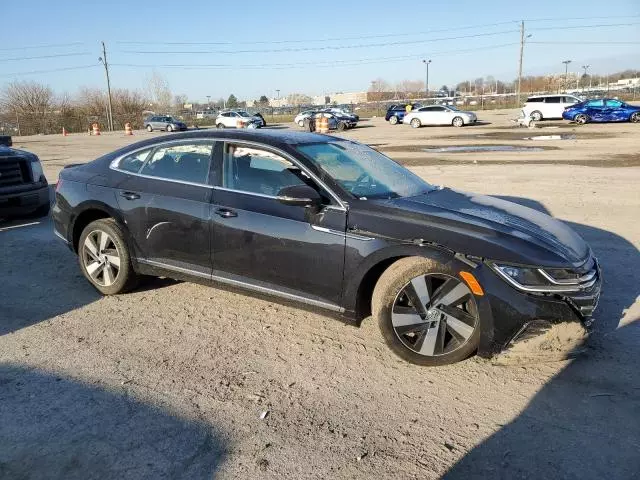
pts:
[613, 103]
[535, 100]
[552, 100]
[187, 162]
[595, 103]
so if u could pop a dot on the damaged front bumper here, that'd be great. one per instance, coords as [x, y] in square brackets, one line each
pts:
[512, 319]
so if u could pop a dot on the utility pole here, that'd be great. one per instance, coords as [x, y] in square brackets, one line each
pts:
[585, 68]
[523, 39]
[103, 59]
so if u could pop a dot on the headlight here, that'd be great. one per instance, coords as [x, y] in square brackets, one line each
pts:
[36, 171]
[532, 279]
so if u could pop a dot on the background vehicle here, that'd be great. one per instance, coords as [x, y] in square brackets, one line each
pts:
[299, 119]
[329, 220]
[230, 119]
[439, 115]
[23, 187]
[602, 110]
[541, 107]
[164, 122]
[395, 113]
[341, 112]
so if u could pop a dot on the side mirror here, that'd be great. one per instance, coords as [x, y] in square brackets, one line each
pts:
[299, 196]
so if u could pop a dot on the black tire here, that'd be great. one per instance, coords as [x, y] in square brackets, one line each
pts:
[387, 291]
[169, 128]
[41, 211]
[126, 278]
[536, 115]
[220, 125]
[341, 126]
[581, 119]
[416, 123]
[635, 117]
[394, 120]
[149, 128]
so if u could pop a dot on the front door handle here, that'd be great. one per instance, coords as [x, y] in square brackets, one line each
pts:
[226, 213]
[130, 195]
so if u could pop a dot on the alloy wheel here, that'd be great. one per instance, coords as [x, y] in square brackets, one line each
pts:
[458, 122]
[536, 116]
[415, 123]
[635, 118]
[581, 119]
[393, 120]
[101, 258]
[434, 314]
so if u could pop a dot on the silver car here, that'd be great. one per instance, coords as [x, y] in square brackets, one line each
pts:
[439, 115]
[164, 122]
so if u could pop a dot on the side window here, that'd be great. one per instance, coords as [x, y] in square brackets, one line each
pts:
[133, 162]
[437, 109]
[570, 100]
[258, 171]
[187, 163]
[552, 100]
[595, 103]
[535, 100]
[613, 103]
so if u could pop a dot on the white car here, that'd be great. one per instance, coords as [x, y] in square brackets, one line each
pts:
[539, 107]
[230, 119]
[299, 120]
[439, 115]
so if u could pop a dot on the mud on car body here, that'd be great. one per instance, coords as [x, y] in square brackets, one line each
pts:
[331, 224]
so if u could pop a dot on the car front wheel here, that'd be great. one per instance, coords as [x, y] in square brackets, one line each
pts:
[104, 257]
[301, 123]
[426, 312]
[393, 120]
[581, 119]
[458, 122]
[635, 117]
[415, 123]
[536, 116]
[220, 125]
[149, 128]
[169, 128]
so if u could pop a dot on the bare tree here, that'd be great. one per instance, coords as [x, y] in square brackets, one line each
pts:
[29, 103]
[159, 91]
[410, 86]
[299, 99]
[380, 85]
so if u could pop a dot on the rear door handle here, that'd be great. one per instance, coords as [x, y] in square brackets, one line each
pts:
[130, 195]
[226, 213]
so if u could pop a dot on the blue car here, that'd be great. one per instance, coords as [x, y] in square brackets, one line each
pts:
[395, 113]
[602, 110]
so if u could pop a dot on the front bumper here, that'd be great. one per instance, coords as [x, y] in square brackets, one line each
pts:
[23, 200]
[509, 315]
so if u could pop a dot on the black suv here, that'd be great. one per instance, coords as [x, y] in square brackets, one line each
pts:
[24, 190]
[395, 113]
[333, 224]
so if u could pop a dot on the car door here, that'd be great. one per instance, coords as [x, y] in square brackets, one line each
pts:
[552, 107]
[595, 110]
[435, 115]
[259, 241]
[614, 111]
[164, 196]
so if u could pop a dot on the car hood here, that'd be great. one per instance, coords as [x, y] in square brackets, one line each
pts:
[482, 226]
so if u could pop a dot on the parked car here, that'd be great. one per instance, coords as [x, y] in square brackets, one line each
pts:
[342, 121]
[540, 107]
[24, 190]
[231, 118]
[439, 115]
[299, 119]
[341, 112]
[395, 113]
[334, 224]
[602, 110]
[164, 122]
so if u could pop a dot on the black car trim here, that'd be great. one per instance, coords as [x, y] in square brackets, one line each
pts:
[247, 285]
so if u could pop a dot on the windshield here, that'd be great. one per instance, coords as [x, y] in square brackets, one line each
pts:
[364, 172]
[451, 107]
[243, 114]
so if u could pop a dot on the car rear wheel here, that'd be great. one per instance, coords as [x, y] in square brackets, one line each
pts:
[149, 128]
[301, 123]
[169, 128]
[393, 120]
[581, 119]
[341, 126]
[415, 123]
[458, 122]
[536, 115]
[426, 312]
[635, 117]
[220, 125]
[104, 257]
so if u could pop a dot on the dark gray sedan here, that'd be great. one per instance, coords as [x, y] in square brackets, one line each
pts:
[160, 122]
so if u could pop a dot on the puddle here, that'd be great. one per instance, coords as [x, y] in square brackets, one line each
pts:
[564, 136]
[483, 148]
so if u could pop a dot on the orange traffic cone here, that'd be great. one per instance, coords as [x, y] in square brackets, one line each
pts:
[64, 132]
[127, 129]
[96, 129]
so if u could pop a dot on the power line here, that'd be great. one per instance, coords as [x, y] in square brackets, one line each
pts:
[309, 49]
[33, 72]
[587, 43]
[17, 59]
[579, 18]
[277, 66]
[51, 45]
[315, 40]
[586, 26]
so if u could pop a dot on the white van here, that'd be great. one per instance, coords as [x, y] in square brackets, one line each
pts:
[547, 106]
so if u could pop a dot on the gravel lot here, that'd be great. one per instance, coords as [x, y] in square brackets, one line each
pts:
[174, 379]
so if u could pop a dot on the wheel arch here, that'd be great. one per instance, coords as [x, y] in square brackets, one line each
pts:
[89, 212]
[359, 289]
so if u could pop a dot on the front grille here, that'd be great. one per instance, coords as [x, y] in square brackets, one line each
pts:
[13, 171]
[589, 278]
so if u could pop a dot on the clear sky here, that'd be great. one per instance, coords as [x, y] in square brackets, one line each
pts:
[251, 48]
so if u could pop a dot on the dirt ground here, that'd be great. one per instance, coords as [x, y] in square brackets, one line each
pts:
[180, 380]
